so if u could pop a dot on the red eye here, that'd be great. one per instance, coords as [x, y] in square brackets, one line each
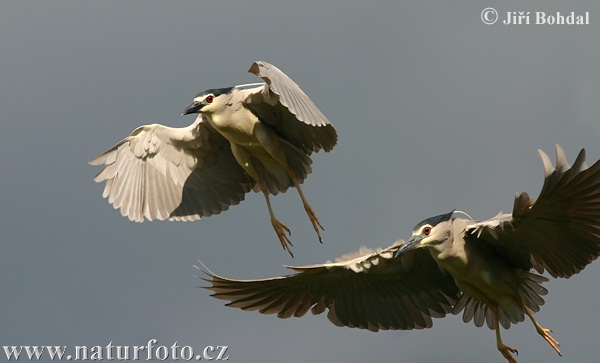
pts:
[209, 99]
[427, 231]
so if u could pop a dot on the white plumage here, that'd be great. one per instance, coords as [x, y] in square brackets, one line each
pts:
[254, 136]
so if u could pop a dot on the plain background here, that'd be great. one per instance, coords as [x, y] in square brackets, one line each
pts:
[434, 109]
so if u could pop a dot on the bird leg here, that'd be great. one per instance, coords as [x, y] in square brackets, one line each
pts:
[311, 214]
[545, 333]
[279, 227]
[503, 348]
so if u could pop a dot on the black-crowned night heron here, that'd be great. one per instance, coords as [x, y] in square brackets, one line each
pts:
[449, 265]
[249, 136]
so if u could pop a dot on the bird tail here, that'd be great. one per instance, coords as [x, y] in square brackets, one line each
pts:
[530, 292]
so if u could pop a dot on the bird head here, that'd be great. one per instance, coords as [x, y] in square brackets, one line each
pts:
[209, 101]
[428, 233]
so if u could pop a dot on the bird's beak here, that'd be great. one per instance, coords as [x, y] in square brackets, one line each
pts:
[193, 108]
[409, 245]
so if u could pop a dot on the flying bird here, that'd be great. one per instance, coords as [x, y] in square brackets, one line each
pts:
[490, 270]
[249, 137]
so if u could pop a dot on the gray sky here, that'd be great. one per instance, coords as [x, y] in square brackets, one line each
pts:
[434, 109]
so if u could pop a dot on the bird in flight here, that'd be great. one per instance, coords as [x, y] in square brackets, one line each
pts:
[489, 270]
[249, 137]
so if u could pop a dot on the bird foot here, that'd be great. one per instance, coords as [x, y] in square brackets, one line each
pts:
[545, 333]
[281, 230]
[506, 350]
[314, 220]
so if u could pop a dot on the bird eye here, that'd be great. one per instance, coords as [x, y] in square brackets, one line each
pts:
[209, 99]
[427, 231]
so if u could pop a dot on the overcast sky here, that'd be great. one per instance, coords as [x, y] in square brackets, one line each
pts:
[434, 109]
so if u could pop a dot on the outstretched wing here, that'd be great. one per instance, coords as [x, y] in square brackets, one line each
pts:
[284, 106]
[159, 172]
[369, 290]
[560, 232]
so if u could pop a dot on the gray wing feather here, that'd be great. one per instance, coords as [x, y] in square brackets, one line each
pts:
[370, 290]
[159, 172]
[293, 115]
[560, 232]
[290, 94]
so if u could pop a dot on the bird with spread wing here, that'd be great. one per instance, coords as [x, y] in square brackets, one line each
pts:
[489, 270]
[256, 136]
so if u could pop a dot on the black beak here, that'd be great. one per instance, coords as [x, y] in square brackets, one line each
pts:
[409, 245]
[193, 108]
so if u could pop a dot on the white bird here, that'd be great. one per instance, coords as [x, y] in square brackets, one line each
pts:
[256, 136]
[449, 265]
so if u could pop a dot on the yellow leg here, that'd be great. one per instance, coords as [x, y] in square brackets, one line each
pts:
[503, 348]
[279, 227]
[545, 333]
[313, 217]
[244, 159]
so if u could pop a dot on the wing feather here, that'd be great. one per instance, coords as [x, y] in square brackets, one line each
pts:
[370, 290]
[282, 104]
[159, 172]
[558, 233]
